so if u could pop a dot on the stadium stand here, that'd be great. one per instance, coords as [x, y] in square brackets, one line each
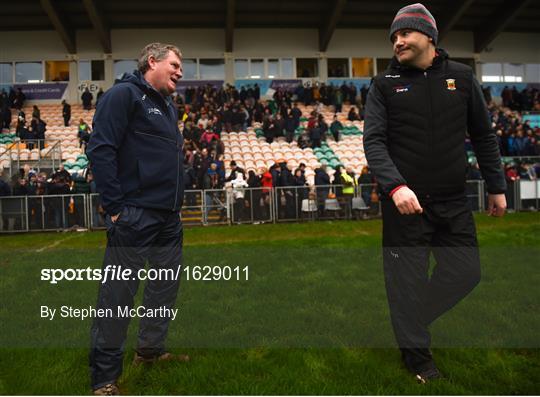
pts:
[14, 148]
[254, 140]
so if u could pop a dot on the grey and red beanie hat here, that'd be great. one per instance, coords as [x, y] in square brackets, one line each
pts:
[415, 17]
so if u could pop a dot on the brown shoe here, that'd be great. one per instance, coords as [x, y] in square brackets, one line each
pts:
[138, 359]
[109, 389]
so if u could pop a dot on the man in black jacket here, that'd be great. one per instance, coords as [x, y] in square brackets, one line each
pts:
[417, 115]
[66, 113]
[86, 99]
[5, 190]
[290, 126]
[335, 128]
[322, 186]
[297, 114]
[136, 157]
[234, 170]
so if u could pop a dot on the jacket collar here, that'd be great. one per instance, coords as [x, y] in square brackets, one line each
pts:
[138, 79]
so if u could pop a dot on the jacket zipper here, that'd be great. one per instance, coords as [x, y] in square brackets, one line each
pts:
[177, 161]
[177, 175]
[164, 101]
[430, 134]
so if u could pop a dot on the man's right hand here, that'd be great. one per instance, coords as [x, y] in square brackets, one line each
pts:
[114, 217]
[406, 201]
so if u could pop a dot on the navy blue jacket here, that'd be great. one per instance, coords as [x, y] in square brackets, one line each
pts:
[321, 178]
[135, 149]
[5, 190]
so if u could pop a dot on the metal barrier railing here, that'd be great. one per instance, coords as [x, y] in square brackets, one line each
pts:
[238, 205]
[13, 214]
[193, 208]
[96, 214]
[529, 195]
[43, 213]
[324, 202]
[522, 159]
[216, 207]
[251, 205]
[474, 190]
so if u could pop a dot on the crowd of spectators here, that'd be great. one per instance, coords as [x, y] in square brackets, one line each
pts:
[515, 136]
[54, 211]
[13, 100]
[251, 191]
[205, 112]
[519, 142]
[525, 100]
[32, 133]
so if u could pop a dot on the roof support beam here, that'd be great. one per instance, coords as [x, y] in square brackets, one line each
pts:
[454, 13]
[497, 22]
[229, 29]
[67, 35]
[325, 33]
[100, 26]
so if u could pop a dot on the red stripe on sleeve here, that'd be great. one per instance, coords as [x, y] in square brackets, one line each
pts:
[396, 189]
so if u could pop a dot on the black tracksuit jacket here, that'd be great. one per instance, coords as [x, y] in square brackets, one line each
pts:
[416, 122]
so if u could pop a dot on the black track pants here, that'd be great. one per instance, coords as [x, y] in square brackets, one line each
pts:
[447, 230]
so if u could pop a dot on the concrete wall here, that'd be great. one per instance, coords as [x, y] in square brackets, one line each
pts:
[210, 43]
[513, 48]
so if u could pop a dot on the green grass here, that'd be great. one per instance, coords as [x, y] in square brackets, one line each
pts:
[311, 319]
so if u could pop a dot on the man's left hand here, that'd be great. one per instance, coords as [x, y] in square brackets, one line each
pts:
[496, 204]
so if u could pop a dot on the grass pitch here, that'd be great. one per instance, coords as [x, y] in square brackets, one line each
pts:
[311, 319]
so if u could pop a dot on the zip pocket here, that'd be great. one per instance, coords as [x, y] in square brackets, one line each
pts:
[156, 136]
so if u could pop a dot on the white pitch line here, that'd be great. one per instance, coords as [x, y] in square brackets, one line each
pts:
[56, 243]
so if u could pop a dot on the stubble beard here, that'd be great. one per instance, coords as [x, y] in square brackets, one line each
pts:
[409, 60]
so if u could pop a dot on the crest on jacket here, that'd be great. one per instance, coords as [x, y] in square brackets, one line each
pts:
[154, 111]
[451, 84]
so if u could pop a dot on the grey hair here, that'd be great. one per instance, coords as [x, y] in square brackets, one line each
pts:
[157, 50]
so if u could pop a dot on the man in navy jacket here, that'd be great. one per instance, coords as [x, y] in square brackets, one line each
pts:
[136, 158]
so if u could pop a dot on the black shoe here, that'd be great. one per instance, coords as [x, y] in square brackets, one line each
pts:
[164, 357]
[428, 375]
[420, 363]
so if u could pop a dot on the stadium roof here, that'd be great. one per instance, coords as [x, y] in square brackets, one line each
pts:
[486, 18]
